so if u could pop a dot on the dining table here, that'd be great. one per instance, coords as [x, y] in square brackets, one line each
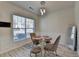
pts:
[42, 41]
[42, 38]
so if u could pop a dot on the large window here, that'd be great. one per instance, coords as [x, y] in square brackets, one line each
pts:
[22, 27]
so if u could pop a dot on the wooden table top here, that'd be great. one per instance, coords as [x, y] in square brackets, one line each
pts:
[42, 37]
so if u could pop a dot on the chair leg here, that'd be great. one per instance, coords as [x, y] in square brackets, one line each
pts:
[30, 53]
[44, 52]
[48, 53]
[56, 53]
[35, 55]
[41, 53]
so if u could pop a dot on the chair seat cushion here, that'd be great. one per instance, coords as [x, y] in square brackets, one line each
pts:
[49, 47]
[36, 50]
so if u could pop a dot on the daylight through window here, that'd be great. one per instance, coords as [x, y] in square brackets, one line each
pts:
[22, 27]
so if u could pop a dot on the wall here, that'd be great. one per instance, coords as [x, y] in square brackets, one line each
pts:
[77, 20]
[6, 11]
[58, 22]
[52, 24]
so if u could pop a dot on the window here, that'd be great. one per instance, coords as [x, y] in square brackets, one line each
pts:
[73, 32]
[29, 26]
[22, 27]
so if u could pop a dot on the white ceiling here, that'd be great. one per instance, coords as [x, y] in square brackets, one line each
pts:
[50, 5]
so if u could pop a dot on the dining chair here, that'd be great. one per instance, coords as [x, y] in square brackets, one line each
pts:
[35, 50]
[48, 40]
[33, 35]
[52, 47]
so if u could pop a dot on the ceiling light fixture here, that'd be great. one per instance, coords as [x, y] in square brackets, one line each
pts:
[42, 9]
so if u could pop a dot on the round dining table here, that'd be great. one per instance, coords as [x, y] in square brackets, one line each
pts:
[42, 38]
[42, 41]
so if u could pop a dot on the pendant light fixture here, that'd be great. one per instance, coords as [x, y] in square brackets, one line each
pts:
[42, 9]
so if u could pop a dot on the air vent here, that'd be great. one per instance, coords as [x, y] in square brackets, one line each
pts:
[31, 8]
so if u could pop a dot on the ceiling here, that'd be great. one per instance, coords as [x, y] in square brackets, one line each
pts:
[50, 5]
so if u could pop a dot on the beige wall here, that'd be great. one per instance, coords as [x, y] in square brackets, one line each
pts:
[77, 20]
[52, 24]
[56, 23]
[6, 40]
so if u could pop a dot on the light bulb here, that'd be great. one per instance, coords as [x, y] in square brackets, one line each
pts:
[41, 11]
[44, 10]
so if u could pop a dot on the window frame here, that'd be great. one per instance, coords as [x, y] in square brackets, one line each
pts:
[22, 28]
